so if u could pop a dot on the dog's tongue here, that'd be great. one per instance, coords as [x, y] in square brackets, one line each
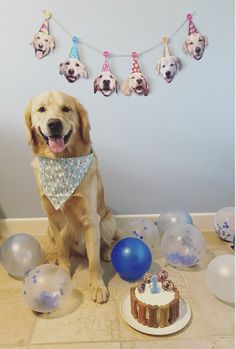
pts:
[39, 54]
[56, 144]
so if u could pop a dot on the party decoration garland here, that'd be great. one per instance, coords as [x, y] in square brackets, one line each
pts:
[72, 68]
[195, 43]
[106, 82]
[168, 65]
[42, 42]
[136, 81]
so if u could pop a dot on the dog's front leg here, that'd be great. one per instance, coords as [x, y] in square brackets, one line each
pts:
[58, 232]
[100, 293]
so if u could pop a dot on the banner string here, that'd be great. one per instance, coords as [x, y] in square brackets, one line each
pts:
[111, 54]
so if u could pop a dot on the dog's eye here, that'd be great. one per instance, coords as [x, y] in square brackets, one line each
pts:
[163, 66]
[67, 63]
[171, 64]
[65, 109]
[200, 40]
[42, 109]
[110, 76]
[38, 37]
[100, 76]
[77, 64]
[191, 43]
[132, 77]
[46, 40]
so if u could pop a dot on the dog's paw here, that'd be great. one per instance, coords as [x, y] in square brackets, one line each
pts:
[100, 293]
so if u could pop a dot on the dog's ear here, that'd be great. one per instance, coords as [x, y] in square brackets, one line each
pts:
[117, 85]
[62, 68]
[178, 63]
[82, 71]
[96, 85]
[158, 67]
[145, 87]
[206, 40]
[28, 122]
[185, 46]
[51, 42]
[125, 87]
[84, 125]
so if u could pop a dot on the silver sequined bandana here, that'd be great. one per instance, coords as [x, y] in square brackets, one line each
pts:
[61, 177]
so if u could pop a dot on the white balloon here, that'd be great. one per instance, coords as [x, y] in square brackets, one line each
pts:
[183, 245]
[47, 288]
[224, 223]
[169, 219]
[145, 230]
[20, 253]
[220, 277]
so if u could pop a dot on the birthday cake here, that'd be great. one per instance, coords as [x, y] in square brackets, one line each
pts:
[155, 300]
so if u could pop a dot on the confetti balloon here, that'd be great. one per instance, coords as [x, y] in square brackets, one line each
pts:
[145, 230]
[183, 245]
[47, 288]
[131, 258]
[224, 223]
[171, 218]
[20, 253]
[220, 277]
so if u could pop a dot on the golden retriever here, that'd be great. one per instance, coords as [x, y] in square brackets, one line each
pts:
[58, 129]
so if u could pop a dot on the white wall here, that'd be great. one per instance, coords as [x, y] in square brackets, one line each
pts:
[173, 148]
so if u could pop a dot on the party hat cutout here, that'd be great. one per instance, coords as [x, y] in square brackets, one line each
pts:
[166, 51]
[45, 26]
[191, 29]
[135, 65]
[74, 52]
[105, 66]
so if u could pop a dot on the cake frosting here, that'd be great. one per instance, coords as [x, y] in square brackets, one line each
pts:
[155, 306]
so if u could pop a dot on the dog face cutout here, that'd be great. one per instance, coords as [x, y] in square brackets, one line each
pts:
[195, 45]
[168, 67]
[136, 82]
[42, 43]
[106, 83]
[72, 69]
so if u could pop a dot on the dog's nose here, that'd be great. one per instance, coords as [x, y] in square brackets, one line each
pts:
[106, 82]
[40, 45]
[168, 73]
[71, 71]
[197, 49]
[139, 81]
[54, 125]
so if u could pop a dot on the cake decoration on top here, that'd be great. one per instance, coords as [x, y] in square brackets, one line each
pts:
[151, 281]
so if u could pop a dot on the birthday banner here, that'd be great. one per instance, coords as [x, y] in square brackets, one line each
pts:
[106, 83]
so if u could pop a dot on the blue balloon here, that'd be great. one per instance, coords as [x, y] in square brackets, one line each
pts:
[131, 258]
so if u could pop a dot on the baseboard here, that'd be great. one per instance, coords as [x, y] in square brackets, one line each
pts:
[38, 226]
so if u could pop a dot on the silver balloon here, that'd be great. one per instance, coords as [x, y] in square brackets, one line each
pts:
[224, 223]
[183, 245]
[47, 288]
[20, 253]
[169, 219]
[220, 277]
[145, 230]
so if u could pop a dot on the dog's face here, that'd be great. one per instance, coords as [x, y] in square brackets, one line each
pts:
[168, 67]
[42, 44]
[195, 45]
[72, 69]
[56, 122]
[137, 83]
[106, 83]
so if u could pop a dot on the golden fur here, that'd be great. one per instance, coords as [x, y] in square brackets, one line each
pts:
[83, 224]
